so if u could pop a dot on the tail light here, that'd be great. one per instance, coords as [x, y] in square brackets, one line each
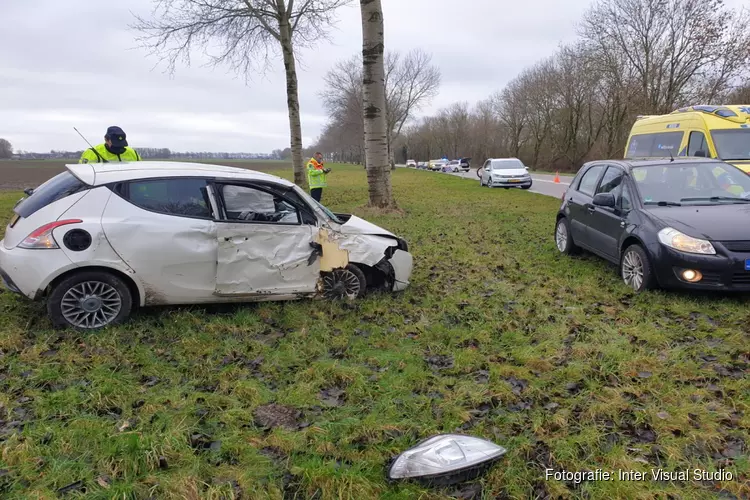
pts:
[42, 237]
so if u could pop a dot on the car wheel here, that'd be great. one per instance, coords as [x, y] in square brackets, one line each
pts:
[526, 187]
[89, 300]
[563, 237]
[635, 269]
[347, 283]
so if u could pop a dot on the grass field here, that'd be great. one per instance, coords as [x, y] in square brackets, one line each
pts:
[498, 336]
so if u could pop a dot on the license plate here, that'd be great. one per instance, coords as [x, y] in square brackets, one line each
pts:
[747, 264]
[14, 220]
[515, 180]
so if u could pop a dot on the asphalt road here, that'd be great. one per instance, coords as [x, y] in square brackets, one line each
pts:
[542, 184]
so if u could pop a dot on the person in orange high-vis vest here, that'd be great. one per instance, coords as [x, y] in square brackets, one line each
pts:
[316, 176]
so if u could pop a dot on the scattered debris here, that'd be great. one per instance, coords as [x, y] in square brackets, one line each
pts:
[517, 385]
[77, 486]
[150, 381]
[663, 415]
[333, 396]
[440, 362]
[104, 481]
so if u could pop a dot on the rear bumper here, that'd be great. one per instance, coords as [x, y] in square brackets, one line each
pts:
[28, 272]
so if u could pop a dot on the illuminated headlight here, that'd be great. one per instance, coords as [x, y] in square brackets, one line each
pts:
[445, 455]
[674, 239]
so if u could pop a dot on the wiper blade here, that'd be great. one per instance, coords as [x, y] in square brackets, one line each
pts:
[717, 198]
[664, 203]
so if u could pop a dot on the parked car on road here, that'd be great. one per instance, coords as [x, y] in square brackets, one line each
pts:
[423, 165]
[464, 164]
[505, 172]
[437, 165]
[670, 224]
[452, 166]
[97, 240]
[411, 163]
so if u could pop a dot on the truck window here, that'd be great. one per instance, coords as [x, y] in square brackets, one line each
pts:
[657, 145]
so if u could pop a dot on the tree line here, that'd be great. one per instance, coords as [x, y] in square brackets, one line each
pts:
[632, 57]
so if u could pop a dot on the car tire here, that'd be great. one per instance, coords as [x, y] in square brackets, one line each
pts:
[110, 301]
[564, 239]
[635, 269]
[348, 282]
[526, 187]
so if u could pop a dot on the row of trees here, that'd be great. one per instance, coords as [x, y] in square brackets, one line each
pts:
[633, 57]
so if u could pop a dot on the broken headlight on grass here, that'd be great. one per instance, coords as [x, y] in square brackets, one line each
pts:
[446, 459]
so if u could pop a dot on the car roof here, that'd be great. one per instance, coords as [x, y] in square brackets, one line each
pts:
[656, 162]
[98, 174]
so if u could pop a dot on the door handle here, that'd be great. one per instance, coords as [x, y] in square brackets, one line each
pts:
[590, 208]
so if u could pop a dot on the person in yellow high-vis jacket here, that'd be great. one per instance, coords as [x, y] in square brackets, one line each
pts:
[316, 176]
[114, 148]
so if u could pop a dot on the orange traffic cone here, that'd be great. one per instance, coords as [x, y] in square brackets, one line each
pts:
[557, 177]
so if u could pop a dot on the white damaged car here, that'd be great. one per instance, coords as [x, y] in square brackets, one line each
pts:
[96, 241]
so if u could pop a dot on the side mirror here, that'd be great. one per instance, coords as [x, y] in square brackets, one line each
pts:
[604, 200]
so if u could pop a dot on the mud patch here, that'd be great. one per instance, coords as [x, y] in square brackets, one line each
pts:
[333, 397]
[274, 415]
[438, 362]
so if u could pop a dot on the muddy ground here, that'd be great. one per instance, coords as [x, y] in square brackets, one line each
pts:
[21, 174]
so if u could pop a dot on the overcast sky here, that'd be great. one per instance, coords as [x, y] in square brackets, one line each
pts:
[75, 63]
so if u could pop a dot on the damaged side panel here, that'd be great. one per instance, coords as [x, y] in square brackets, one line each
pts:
[266, 259]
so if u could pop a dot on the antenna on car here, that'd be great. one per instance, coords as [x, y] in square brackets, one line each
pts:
[92, 147]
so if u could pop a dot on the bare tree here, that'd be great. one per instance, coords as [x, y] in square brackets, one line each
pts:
[410, 82]
[6, 149]
[249, 33]
[373, 81]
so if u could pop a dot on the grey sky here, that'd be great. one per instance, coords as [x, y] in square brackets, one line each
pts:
[75, 63]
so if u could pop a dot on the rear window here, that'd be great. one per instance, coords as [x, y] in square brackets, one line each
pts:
[57, 188]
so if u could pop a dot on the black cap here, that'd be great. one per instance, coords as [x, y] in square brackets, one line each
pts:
[117, 137]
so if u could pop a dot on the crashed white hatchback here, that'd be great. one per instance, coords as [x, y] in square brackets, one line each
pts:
[98, 240]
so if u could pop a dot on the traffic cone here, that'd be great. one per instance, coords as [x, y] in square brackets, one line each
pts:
[557, 177]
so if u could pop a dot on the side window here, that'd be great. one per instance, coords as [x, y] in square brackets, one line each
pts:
[248, 204]
[610, 181]
[697, 143]
[624, 202]
[589, 179]
[654, 145]
[178, 196]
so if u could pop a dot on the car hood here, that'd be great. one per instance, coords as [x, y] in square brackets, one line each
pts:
[355, 225]
[510, 171]
[716, 222]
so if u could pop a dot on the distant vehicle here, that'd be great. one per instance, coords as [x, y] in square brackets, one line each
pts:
[452, 166]
[505, 172]
[411, 163]
[437, 165]
[423, 165]
[205, 233]
[465, 164]
[669, 224]
[721, 132]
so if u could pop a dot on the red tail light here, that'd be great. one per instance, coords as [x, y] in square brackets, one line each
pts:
[42, 238]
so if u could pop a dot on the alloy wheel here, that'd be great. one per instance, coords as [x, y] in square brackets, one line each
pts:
[632, 270]
[341, 283]
[561, 236]
[91, 304]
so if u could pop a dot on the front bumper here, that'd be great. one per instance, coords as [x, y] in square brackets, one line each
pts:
[509, 182]
[722, 272]
[402, 263]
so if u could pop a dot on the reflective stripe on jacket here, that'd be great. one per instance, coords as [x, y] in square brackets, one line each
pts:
[99, 153]
[316, 178]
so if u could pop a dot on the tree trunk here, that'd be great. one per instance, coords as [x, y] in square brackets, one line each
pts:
[373, 79]
[292, 101]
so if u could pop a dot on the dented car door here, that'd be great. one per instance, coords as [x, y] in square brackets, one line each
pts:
[267, 246]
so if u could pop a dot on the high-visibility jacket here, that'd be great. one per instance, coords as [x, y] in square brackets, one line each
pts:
[316, 178]
[99, 153]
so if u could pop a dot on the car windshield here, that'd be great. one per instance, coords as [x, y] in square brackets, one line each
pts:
[692, 184]
[732, 144]
[506, 164]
